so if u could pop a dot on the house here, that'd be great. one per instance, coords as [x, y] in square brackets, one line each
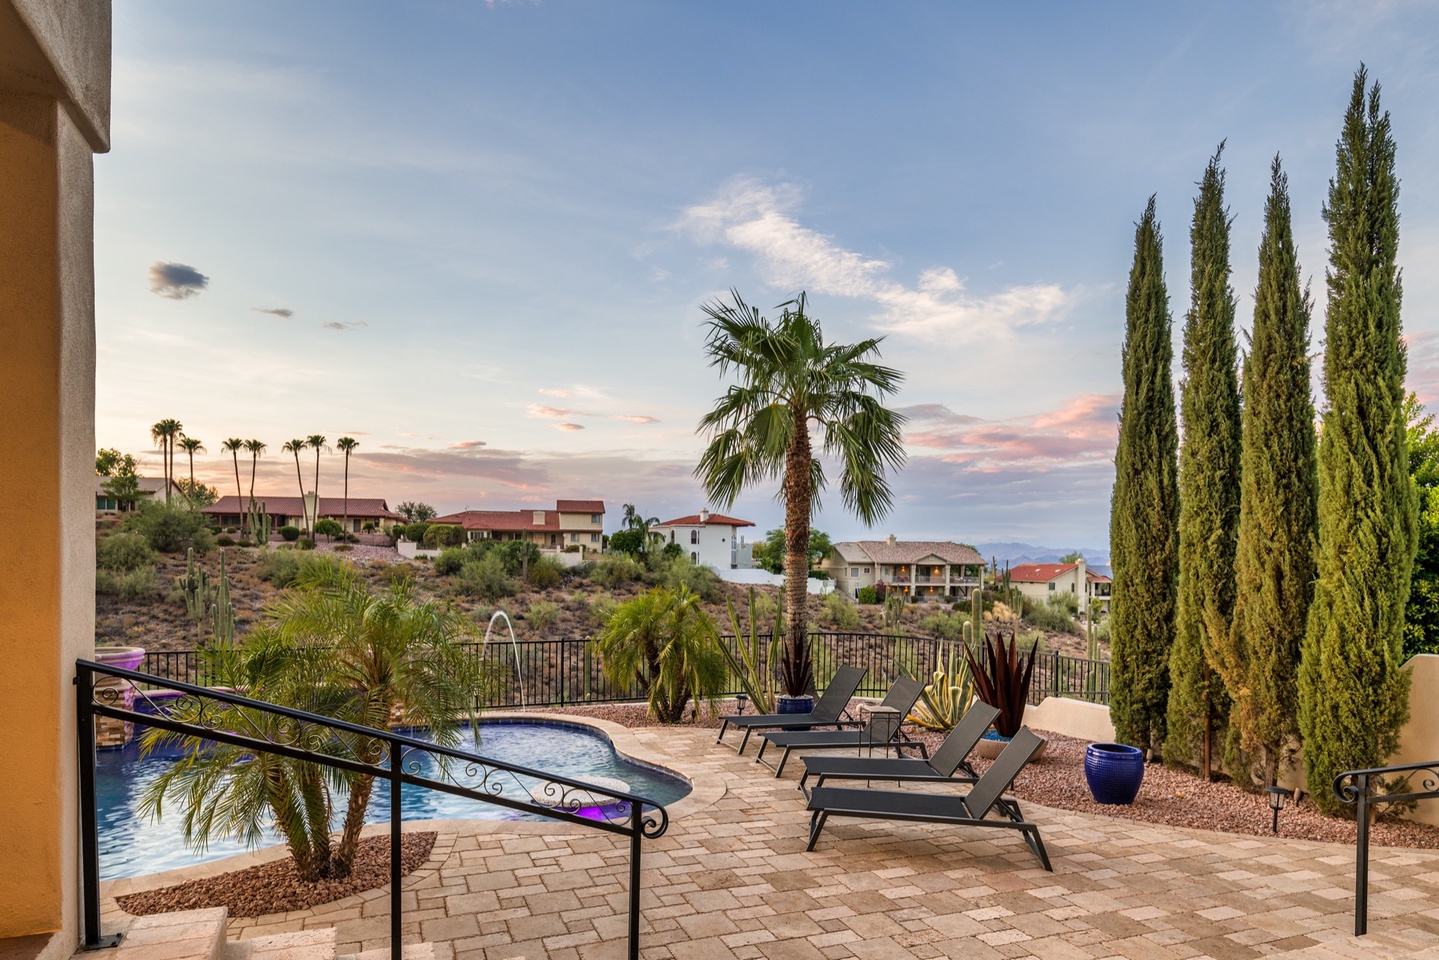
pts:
[231, 511]
[925, 569]
[711, 539]
[150, 488]
[1040, 581]
[576, 526]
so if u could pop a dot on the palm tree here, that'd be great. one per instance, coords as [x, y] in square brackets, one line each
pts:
[257, 450]
[665, 642]
[164, 434]
[232, 446]
[318, 442]
[331, 647]
[789, 380]
[191, 446]
[638, 523]
[347, 446]
[295, 446]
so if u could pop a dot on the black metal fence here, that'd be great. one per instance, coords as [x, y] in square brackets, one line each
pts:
[555, 673]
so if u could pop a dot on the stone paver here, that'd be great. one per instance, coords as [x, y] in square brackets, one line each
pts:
[731, 880]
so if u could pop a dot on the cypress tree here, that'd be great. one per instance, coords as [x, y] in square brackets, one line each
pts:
[1208, 484]
[1353, 696]
[1145, 505]
[1274, 567]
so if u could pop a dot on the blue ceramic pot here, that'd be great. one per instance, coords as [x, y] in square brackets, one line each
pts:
[1114, 771]
[786, 704]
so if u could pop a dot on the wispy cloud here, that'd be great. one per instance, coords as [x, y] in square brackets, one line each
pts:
[759, 218]
[467, 445]
[569, 426]
[337, 325]
[635, 418]
[176, 281]
[1082, 430]
[284, 313]
[541, 412]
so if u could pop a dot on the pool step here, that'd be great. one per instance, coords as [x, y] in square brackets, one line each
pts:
[413, 951]
[1397, 945]
[184, 935]
[316, 944]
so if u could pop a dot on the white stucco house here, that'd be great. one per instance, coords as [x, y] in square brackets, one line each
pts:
[1040, 581]
[708, 538]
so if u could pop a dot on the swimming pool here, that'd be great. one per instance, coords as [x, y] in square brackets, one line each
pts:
[132, 845]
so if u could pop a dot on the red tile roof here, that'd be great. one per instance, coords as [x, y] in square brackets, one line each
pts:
[359, 507]
[580, 506]
[693, 520]
[507, 520]
[1045, 572]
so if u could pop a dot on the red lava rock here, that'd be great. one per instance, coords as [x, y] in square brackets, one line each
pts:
[274, 887]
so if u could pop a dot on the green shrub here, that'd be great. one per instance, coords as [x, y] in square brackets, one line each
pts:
[545, 573]
[517, 555]
[329, 528]
[279, 567]
[124, 551]
[1055, 614]
[440, 535]
[672, 550]
[414, 532]
[224, 540]
[542, 615]
[291, 534]
[614, 569]
[368, 526]
[171, 527]
[682, 571]
[1033, 638]
[868, 595]
[840, 612]
[484, 577]
[945, 625]
[244, 542]
[305, 543]
[450, 560]
[126, 584]
[602, 608]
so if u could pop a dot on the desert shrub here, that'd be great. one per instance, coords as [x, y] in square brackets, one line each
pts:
[224, 540]
[126, 584]
[946, 625]
[839, 612]
[368, 526]
[350, 538]
[484, 577]
[868, 595]
[672, 550]
[305, 543]
[444, 535]
[451, 560]
[1054, 615]
[329, 528]
[1101, 630]
[542, 614]
[414, 532]
[602, 608]
[343, 548]
[171, 527]
[1030, 639]
[627, 541]
[243, 542]
[291, 534]
[124, 551]
[517, 555]
[613, 569]
[279, 567]
[545, 573]
[682, 571]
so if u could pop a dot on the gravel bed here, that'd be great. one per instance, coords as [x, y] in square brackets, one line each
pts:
[1169, 797]
[361, 551]
[274, 888]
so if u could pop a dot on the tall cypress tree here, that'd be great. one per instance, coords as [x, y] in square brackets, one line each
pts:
[1145, 506]
[1353, 696]
[1274, 567]
[1208, 484]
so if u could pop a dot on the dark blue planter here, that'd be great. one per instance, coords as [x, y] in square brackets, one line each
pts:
[785, 704]
[1114, 771]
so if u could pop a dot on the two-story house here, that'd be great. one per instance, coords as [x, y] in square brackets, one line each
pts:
[709, 538]
[574, 525]
[925, 569]
[1040, 581]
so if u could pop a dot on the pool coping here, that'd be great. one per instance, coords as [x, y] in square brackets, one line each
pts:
[702, 795]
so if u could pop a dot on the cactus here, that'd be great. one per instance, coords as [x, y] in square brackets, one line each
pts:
[258, 524]
[224, 611]
[198, 589]
[749, 665]
[893, 609]
[949, 694]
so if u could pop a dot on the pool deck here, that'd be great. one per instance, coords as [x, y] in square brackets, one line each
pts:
[730, 880]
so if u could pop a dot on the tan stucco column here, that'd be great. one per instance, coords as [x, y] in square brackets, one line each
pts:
[54, 113]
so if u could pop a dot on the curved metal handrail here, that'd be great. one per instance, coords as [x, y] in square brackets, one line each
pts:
[1354, 787]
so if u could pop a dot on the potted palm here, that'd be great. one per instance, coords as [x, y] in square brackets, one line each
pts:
[1001, 679]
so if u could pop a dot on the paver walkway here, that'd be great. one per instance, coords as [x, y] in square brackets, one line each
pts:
[731, 880]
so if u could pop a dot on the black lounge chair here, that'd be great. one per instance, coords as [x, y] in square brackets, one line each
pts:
[971, 809]
[950, 758]
[828, 710]
[876, 733]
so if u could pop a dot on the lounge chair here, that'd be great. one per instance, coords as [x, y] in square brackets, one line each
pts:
[951, 757]
[828, 710]
[880, 731]
[971, 809]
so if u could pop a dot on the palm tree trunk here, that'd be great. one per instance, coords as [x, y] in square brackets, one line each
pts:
[254, 460]
[798, 496]
[192, 471]
[317, 492]
[239, 494]
[347, 495]
[300, 478]
[344, 859]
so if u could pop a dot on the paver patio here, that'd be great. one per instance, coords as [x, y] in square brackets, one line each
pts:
[731, 880]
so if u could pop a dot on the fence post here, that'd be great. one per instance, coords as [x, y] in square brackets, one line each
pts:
[397, 944]
[1361, 860]
[636, 832]
[89, 812]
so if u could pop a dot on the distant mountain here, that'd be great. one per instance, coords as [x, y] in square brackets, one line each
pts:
[1017, 553]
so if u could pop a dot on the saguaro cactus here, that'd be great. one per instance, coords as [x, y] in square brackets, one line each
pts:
[258, 524]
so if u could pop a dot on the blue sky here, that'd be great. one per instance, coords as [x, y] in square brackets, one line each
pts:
[477, 237]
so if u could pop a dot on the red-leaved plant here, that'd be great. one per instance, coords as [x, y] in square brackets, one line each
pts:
[1001, 678]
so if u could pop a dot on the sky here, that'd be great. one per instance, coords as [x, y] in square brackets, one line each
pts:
[478, 237]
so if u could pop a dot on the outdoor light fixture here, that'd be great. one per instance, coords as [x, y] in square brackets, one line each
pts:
[740, 699]
[1277, 796]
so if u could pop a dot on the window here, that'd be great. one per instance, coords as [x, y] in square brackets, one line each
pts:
[1051, 588]
[596, 518]
[694, 536]
[694, 557]
[574, 538]
[594, 538]
[866, 569]
[854, 571]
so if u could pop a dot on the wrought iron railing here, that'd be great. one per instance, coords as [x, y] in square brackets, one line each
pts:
[1356, 788]
[211, 714]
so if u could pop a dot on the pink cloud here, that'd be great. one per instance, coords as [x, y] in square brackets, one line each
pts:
[636, 418]
[1081, 431]
[467, 445]
[550, 413]
[569, 426]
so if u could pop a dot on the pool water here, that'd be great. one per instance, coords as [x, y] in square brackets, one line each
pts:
[132, 845]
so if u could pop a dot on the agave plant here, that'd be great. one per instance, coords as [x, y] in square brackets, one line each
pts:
[750, 661]
[949, 694]
[1002, 678]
